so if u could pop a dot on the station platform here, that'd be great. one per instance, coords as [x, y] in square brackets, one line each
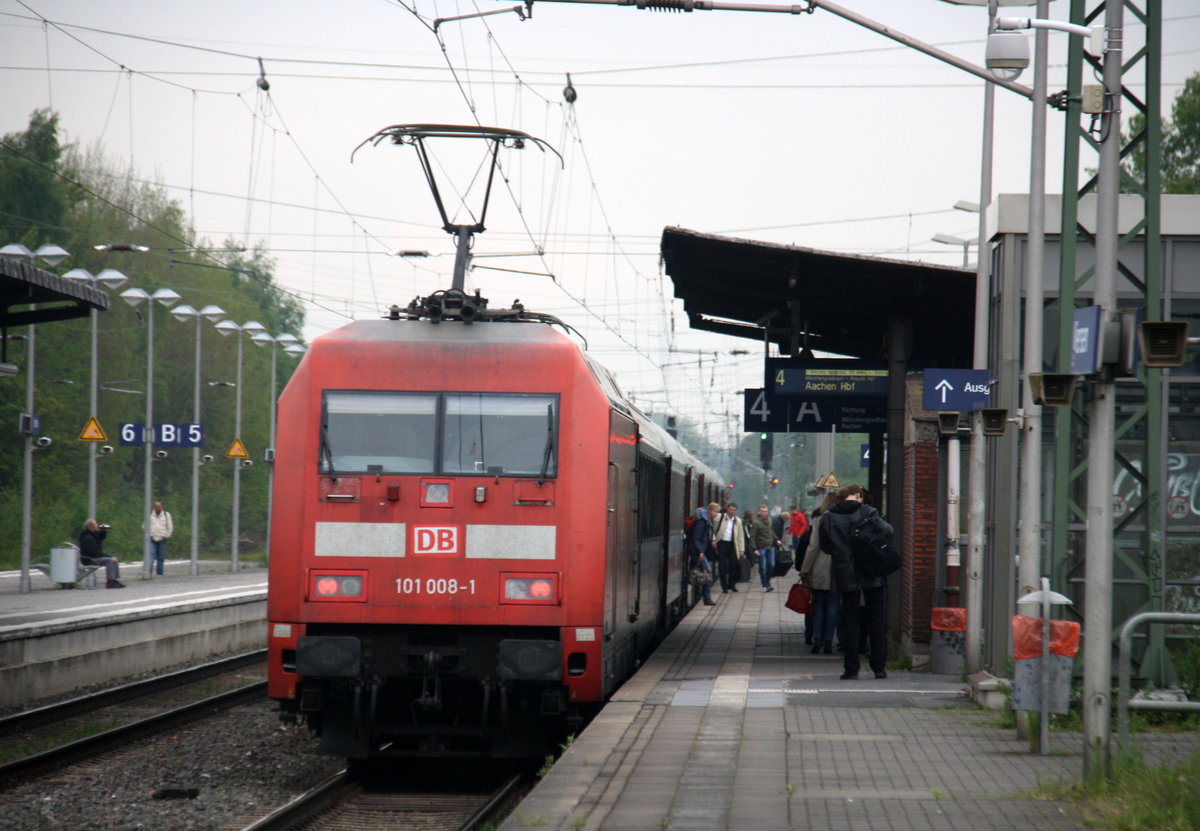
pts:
[55, 640]
[733, 724]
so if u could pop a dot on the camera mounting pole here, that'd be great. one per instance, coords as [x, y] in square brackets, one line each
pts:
[415, 134]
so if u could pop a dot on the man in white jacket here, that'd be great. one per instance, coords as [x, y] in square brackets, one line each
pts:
[159, 527]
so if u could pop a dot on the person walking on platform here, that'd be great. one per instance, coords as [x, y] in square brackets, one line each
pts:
[816, 573]
[799, 527]
[91, 553]
[762, 535]
[159, 526]
[699, 540]
[729, 539]
[748, 542]
[836, 530]
[801, 533]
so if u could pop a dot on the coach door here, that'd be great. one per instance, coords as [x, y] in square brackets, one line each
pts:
[610, 547]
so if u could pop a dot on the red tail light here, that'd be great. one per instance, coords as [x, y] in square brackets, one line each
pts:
[539, 589]
[344, 586]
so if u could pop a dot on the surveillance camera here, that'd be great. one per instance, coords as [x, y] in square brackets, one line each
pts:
[247, 462]
[206, 458]
[44, 441]
[105, 449]
[160, 454]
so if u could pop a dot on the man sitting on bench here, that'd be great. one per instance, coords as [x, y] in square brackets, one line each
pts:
[91, 553]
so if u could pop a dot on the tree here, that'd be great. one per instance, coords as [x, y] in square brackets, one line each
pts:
[59, 194]
[32, 196]
[1180, 145]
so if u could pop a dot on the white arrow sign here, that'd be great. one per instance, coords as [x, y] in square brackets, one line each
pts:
[945, 386]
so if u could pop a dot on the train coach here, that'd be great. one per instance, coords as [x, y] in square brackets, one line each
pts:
[475, 537]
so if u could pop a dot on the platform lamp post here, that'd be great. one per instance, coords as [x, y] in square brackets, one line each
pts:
[228, 327]
[288, 340]
[214, 314]
[112, 279]
[52, 255]
[965, 242]
[135, 297]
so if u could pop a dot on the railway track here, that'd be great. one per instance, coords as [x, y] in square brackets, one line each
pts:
[48, 726]
[350, 801]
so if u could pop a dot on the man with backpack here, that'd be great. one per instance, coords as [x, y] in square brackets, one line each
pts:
[843, 533]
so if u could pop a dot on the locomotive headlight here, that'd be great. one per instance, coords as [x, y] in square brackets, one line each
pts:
[541, 589]
[343, 586]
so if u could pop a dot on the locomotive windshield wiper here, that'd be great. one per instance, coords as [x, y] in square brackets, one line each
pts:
[326, 450]
[549, 444]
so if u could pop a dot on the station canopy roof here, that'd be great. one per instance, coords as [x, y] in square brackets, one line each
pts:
[737, 287]
[58, 298]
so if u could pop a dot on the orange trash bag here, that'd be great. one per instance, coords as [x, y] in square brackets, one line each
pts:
[1027, 637]
[949, 619]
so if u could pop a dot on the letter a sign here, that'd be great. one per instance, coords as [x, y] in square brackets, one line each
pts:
[237, 450]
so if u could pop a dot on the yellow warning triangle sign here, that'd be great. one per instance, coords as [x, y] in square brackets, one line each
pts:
[92, 431]
[829, 482]
[237, 450]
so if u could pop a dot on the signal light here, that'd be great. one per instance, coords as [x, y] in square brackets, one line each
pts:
[763, 436]
[774, 481]
[342, 586]
[539, 589]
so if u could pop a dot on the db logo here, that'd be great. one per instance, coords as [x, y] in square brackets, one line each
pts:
[435, 541]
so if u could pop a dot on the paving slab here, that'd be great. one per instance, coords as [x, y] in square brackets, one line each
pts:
[733, 724]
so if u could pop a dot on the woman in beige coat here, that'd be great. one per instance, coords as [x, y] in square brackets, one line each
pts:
[815, 573]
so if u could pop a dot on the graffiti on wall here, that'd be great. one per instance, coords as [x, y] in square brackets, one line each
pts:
[1181, 499]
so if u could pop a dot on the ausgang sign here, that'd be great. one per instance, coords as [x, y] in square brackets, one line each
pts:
[827, 378]
[965, 390]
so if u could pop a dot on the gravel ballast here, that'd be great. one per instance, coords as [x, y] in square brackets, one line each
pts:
[220, 773]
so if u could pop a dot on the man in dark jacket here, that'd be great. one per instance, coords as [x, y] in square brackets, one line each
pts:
[699, 539]
[91, 552]
[861, 597]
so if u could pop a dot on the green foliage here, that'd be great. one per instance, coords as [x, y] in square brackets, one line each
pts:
[1180, 145]
[32, 198]
[1137, 797]
[106, 206]
[1186, 657]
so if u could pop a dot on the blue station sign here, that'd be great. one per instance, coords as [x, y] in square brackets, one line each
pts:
[1086, 329]
[827, 378]
[964, 390]
[767, 413]
[133, 434]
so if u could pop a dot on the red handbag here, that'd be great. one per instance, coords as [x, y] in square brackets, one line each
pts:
[799, 599]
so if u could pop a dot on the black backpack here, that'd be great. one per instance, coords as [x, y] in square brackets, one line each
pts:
[874, 554]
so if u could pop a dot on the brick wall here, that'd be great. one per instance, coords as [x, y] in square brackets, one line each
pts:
[920, 540]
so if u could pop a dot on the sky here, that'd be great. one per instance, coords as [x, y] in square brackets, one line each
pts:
[796, 129]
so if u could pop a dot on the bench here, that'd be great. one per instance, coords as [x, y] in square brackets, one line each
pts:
[82, 572]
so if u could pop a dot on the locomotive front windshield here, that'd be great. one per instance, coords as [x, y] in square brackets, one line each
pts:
[451, 433]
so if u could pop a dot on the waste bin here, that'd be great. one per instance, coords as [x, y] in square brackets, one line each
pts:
[949, 640]
[64, 559]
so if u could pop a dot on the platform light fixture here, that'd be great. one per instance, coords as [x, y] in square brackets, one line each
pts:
[214, 314]
[228, 327]
[135, 297]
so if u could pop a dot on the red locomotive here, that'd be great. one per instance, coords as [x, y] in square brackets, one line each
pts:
[476, 537]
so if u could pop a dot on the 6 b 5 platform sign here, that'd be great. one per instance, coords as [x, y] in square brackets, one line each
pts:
[435, 541]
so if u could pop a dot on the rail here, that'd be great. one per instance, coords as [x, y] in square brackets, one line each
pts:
[1124, 673]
